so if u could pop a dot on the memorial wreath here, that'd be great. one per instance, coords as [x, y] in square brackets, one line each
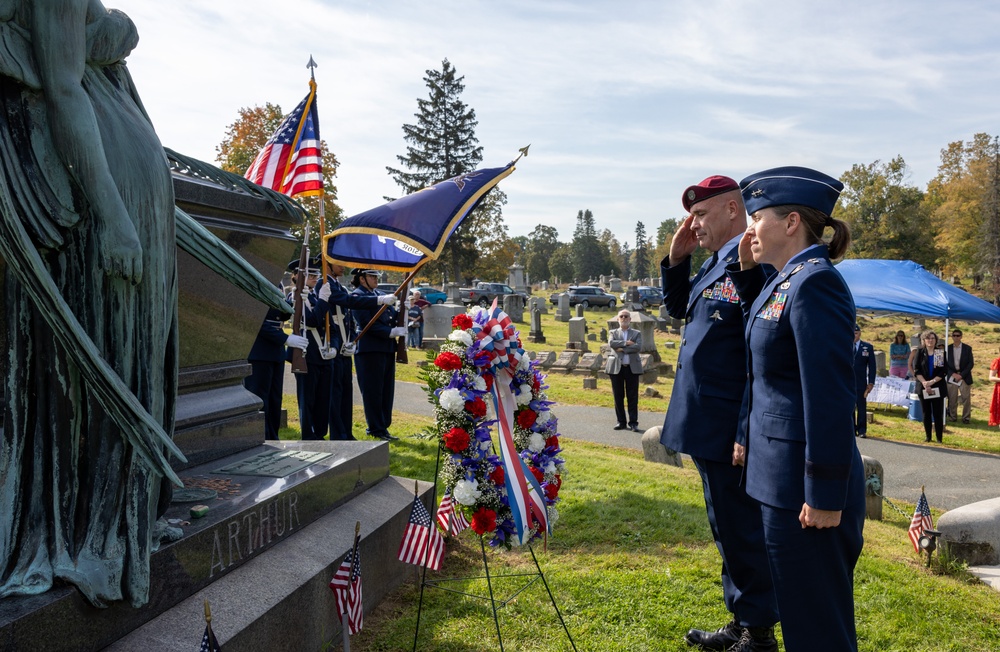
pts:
[482, 381]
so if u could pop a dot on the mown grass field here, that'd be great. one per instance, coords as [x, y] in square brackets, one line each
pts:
[632, 565]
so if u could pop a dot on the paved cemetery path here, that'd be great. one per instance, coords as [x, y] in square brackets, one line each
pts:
[952, 478]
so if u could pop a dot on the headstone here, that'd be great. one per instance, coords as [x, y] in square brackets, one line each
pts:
[614, 285]
[454, 296]
[651, 392]
[650, 368]
[546, 358]
[670, 344]
[602, 280]
[566, 361]
[579, 310]
[513, 305]
[873, 488]
[604, 334]
[562, 308]
[516, 278]
[545, 285]
[538, 303]
[633, 301]
[591, 337]
[971, 533]
[437, 323]
[880, 369]
[589, 364]
[654, 451]
[590, 383]
[535, 334]
[577, 334]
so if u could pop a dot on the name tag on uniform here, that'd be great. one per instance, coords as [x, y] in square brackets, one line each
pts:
[722, 291]
[773, 307]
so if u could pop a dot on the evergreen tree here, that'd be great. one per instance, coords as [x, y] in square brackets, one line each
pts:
[442, 144]
[589, 259]
[641, 251]
[542, 243]
[626, 273]
[989, 248]
[244, 140]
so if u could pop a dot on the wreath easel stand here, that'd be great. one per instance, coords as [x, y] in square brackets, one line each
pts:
[495, 603]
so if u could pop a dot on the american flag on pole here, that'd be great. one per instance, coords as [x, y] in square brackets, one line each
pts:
[451, 520]
[208, 642]
[921, 521]
[291, 161]
[422, 543]
[346, 586]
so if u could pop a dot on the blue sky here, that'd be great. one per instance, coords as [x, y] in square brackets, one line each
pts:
[624, 103]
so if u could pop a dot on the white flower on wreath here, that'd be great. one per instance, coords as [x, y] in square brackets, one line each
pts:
[466, 492]
[544, 416]
[553, 515]
[452, 401]
[479, 384]
[462, 337]
[536, 442]
[550, 468]
[491, 414]
[476, 311]
[524, 397]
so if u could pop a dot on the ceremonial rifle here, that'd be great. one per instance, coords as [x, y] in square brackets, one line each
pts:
[401, 318]
[298, 355]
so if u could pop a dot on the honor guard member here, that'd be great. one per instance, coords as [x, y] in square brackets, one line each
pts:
[375, 359]
[340, 302]
[704, 416]
[267, 365]
[864, 381]
[802, 463]
[313, 388]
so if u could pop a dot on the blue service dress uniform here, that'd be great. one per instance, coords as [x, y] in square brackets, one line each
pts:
[864, 375]
[375, 365]
[706, 416]
[341, 385]
[800, 443]
[313, 387]
[267, 369]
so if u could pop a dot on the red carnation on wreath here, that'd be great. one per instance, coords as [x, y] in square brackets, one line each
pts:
[448, 361]
[489, 381]
[497, 476]
[484, 520]
[456, 440]
[552, 442]
[526, 418]
[477, 408]
[462, 321]
[537, 472]
[551, 491]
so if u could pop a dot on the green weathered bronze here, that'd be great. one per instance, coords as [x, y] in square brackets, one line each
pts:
[87, 229]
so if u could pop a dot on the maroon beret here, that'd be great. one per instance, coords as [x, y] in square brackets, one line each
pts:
[710, 187]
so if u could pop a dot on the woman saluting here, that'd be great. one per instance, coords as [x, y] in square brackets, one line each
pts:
[802, 463]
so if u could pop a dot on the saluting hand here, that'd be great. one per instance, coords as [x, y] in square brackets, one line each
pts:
[683, 243]
[746, 254]
[818, 518]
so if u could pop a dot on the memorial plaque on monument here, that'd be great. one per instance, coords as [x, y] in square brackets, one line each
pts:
[566, 361]
[275, 464]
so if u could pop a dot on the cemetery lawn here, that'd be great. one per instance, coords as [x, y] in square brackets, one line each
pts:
[632, 567]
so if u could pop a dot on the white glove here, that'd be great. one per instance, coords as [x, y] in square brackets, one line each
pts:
[387, 299]
[305, 296]
[297, 342]
[398, 331]
[325, 291]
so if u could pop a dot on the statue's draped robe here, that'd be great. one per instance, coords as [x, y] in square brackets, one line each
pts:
[77, 502]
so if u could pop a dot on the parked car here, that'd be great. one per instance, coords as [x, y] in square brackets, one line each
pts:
[649, 297]
[586, 296]
[388, 288]
[485, 293]
[431, 294]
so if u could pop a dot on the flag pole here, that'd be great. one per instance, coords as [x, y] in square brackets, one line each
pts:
[312, 65]
[397, 292]
[344, 621]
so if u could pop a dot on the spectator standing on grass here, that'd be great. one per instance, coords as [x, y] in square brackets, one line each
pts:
[929, 370]
[899, 356]
[864, 381]
[415, 320]
[995, 402]
[959, 363]
[706, 416]
[624, 368]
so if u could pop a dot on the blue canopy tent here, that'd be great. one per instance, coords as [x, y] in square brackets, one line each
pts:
[905, 287]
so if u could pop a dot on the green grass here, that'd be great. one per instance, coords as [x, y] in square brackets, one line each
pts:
[632, 565]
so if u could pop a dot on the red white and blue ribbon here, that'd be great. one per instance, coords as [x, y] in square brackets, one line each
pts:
[498, 338]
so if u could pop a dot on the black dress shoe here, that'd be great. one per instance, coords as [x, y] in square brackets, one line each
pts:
[862, 436]
[621, 426]
[635, 429]
[721, 639]
[756, 639]
[965, 420]
[387, 437]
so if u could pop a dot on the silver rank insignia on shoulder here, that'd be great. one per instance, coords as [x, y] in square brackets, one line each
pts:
[798, 268]
[716, 316]
[815, 261]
